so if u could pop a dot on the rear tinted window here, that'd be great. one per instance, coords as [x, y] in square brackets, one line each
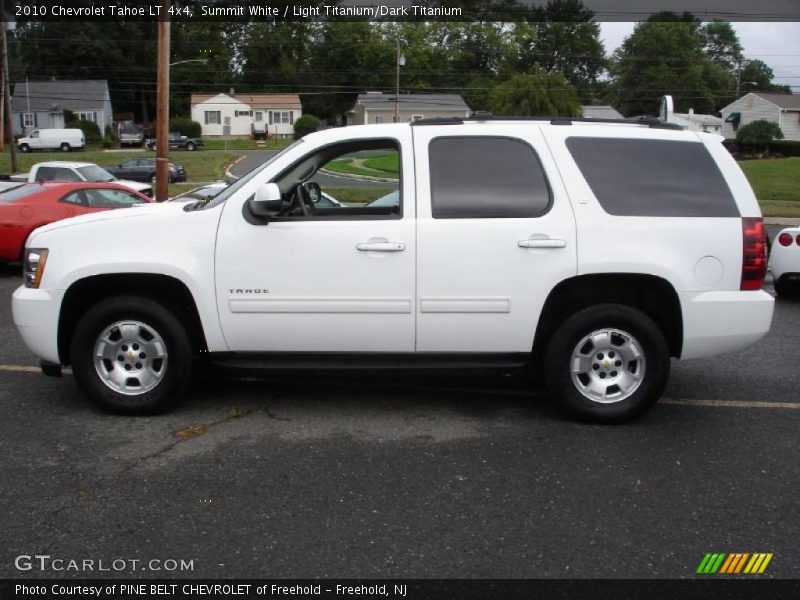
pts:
[486, 177]
[653, 178]
[19, 192]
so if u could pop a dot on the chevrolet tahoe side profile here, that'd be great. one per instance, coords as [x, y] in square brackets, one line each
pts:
[591, 252]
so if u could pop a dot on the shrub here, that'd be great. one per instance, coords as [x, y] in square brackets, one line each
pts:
[185, 126]
[89, 128]
[305, 125]
[786, 147]
[758, 134]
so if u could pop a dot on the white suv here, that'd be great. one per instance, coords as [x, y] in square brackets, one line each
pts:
[589, 251]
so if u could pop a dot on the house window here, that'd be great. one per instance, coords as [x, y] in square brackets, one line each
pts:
[417, 117]
[394, 119]
[28, 120]
[89, 115]
[244, 113]
[277, 117]
[213, 117]
[378, 120]
[259, 116]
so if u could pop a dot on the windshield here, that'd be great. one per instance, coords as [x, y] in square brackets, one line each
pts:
[95, 173]
[233, 188]
[19, 192]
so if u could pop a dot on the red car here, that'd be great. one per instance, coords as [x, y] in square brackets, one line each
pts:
[31, 205]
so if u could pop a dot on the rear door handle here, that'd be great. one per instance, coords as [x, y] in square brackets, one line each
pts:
[541, 243]
[381, 247]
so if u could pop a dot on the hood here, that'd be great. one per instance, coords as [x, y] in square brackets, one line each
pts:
[117, 214]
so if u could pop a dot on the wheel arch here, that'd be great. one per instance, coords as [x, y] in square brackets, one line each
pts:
[653, 295]
[85, 293]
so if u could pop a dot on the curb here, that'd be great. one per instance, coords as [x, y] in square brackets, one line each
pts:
[353, 176]
[230, 166]
[785, 221]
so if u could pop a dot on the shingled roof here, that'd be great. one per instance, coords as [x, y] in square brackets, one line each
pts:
[254, 100]
[47, 96]
[380, 101]
[781, 100]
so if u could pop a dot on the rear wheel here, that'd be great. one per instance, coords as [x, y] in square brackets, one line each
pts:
[65, 147]
[607, 363]
[131, 355]
[191, 146]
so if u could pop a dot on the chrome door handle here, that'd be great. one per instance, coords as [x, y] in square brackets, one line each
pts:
[381, 247]
[542, 243]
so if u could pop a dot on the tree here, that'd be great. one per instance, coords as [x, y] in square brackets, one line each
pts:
[758, 134]
[661, 58]
[537, 93]
[722, 44]
[305, 125]
[566, 40]
[756, 76]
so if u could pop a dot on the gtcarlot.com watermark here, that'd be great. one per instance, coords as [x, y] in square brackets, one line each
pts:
[47, 563]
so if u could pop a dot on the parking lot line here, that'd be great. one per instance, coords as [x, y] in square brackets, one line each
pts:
[730, 403]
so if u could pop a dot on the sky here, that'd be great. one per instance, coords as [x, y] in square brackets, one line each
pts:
[777, 44]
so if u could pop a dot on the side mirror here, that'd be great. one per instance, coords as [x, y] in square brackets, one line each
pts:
[313, 190]
[267, 201]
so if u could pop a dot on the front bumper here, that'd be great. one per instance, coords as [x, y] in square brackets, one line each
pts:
[719, 322]
[35, 315]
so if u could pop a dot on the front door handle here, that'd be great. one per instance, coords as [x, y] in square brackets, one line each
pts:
[381, 247]
[542, 243]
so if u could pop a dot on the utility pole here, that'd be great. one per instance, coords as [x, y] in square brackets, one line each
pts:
[8, 121]
[401, 60]
[162, 105]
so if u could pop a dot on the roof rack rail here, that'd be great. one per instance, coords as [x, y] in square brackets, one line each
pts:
[652, 122]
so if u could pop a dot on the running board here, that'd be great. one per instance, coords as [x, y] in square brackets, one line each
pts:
[350, 360]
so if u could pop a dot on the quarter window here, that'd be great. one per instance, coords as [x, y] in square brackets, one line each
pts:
[486, 177]
[653, 178]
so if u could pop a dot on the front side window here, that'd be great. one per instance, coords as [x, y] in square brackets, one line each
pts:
[353, 180]
[653, 178]
[95, 173]
[213, 117]
[486, 177]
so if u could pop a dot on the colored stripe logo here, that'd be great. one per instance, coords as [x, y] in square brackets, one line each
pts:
[734, 563]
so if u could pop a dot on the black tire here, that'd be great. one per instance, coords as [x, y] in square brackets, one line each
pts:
[65, 147]
[24, 148]
[162, 320]
[786, 288]
[191, 147]
[618, 318]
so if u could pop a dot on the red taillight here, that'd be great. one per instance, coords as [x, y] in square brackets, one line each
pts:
[798, 240]
[754, 253]
[785, 239]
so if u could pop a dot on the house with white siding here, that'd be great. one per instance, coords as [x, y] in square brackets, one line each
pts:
[238, 115]
[697, 122]
[783, 109]
[377, 107]
[41, 104]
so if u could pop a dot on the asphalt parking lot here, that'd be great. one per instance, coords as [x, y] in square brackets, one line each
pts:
[405, 475]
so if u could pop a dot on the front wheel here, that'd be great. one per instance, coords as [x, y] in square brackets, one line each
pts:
[607, 363]
[131, 355]
[191, 147]
[24, 148]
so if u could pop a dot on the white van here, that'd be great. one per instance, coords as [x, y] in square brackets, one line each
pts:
[52, 139]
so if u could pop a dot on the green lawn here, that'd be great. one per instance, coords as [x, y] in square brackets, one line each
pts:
[245, 144]
[776, 183]
[200, 166]
[388, 163]
[357, 194]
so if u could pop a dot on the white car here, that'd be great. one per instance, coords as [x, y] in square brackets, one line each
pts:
[588, 252]
[63, 170]
[784, 262]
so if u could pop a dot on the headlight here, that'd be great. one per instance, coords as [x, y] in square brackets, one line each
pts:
[33, 266]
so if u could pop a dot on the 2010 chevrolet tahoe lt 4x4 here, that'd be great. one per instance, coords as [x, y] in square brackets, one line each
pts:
[594, 250]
